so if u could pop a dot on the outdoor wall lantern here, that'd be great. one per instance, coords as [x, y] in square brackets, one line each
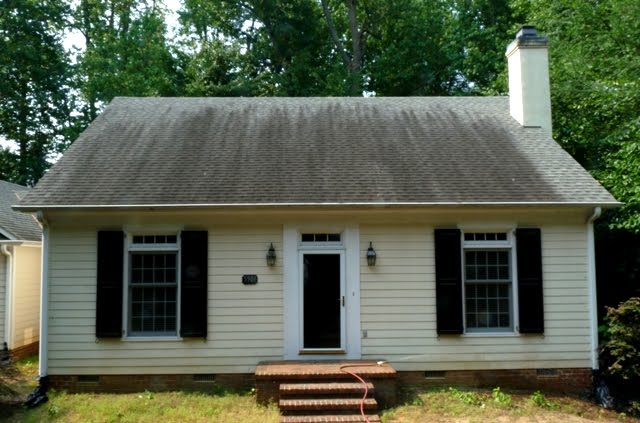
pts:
[271, 256]
[371, 255]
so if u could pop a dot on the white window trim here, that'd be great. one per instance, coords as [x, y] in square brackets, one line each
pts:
[510, 244]
[129, 247]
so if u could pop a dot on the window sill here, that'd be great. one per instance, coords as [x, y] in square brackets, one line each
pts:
[490, 334]
[151, 338]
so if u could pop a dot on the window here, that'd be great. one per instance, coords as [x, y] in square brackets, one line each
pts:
[324, 237]
[482, 285]
[153, 285]
[488, 282]
[162, 276]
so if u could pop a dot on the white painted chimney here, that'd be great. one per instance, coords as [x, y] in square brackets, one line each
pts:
[529, 94]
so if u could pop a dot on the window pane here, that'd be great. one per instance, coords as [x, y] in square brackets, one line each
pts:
[159, 276]
[487, 305]
[487, 265]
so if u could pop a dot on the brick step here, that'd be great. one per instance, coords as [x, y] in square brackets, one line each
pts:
[319, 406]
[324, 389]
[352, 418]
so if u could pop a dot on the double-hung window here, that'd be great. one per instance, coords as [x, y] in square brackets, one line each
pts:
[153, 285]
[488, 282]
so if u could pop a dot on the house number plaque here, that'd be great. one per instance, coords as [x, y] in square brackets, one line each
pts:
[249, 279]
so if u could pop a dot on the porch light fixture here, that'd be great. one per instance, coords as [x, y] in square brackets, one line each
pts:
[271, 256]
[371, 255]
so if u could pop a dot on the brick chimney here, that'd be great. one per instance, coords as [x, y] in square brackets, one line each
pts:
[529, 94]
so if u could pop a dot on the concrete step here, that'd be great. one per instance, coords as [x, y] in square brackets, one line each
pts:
[297, 390]
[352, 418]
[288, 406]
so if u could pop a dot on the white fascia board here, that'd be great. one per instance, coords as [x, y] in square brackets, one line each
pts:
[40, 207]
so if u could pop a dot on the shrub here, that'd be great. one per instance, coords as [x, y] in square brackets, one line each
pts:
[621, 350]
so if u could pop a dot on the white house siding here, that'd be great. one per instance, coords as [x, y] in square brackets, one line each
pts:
[244, 322]
[26, 296]
[399, 316]
[3, 298]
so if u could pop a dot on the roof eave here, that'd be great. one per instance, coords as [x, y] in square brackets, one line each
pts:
[132, 207]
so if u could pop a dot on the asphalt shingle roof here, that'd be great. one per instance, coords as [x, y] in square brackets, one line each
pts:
[241, 151]
[18, 226]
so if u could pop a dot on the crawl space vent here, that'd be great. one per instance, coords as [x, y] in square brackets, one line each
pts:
[434, 374]
[204, 378]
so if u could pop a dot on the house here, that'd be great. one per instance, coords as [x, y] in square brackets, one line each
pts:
[20, 249]
[188, 238]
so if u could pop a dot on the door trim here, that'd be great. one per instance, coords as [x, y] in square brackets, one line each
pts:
[292, 295]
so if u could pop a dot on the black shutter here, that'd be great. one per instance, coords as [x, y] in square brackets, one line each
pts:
[193, 284]
[448, 281]
[530, 297]
[109, 284]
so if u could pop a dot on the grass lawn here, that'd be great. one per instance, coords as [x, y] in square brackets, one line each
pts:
[443, 405]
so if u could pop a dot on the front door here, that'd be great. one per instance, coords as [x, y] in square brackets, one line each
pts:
[322, 301]
[321, 292]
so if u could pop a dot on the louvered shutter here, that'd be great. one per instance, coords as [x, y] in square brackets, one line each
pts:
[109, 284]
[448, 281]
[530, 295]
[193, 284]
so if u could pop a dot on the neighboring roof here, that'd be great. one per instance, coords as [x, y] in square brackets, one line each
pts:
[14, 225]
[307, 151]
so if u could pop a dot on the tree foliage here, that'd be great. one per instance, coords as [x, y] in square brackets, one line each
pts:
[595, 85]
[126, 52]
[320, 48]
[34, 86]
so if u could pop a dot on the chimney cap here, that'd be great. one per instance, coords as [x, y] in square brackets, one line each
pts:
[527, 31]
[527, 37]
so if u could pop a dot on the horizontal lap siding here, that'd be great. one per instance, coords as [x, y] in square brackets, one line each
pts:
[244, 322]
[3, 300]
[398, 306]
[26, 296]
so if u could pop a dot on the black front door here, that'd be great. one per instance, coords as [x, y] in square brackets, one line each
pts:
[322, 301]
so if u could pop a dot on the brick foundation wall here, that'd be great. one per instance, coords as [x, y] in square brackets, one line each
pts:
[139, 383]
[25, 351]
[576, 381]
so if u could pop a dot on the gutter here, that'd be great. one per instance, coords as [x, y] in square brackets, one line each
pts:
[364, 204]
[593, 293]
[44, 296]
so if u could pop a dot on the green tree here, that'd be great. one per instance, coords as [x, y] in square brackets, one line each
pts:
[595, 85]
[256, 47]
[126, 52]
[34, 86]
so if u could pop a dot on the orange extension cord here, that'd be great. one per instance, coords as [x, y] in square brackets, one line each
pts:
[366, 389]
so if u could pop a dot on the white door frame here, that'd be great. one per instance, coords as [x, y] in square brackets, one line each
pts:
[292, 288]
